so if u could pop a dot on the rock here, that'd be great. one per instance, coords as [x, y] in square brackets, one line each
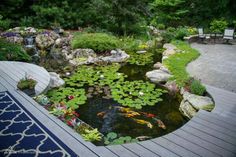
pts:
[191, 103]
[83, 53]
[15, 39]
[141, 52]
[199, 102]
[61, 42]
[119, 56]
[158, 65]
[172, 87]
[56, 53]
[165, 69]
[55, 80]
[169, 52]
[44, 41]
[186, 109]
[169, 46]
[158, 76]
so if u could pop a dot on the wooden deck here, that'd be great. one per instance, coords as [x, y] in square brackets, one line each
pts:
[208, 134]
[18, 70]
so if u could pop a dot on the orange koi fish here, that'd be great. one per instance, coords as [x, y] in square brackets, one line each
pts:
[140, 121]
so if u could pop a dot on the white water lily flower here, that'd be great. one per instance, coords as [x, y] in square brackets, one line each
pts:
[118, 74]
[141, 93]
[101, 76]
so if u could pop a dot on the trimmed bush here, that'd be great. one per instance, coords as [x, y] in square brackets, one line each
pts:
[99, 42]
[218, 26]
[12, 52]
[197, 88]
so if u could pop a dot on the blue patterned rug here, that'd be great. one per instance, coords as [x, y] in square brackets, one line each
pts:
[21, 134]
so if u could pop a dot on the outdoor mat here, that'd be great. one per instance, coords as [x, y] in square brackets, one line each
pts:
[21, 134]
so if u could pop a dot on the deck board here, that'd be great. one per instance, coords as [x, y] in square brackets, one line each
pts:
[207, 145]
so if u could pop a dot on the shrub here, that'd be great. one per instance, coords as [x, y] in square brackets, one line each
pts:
[161, 26]
[197, 88]
[167, 36]
[218, 26]
[99, 42]
[181, 32]
[130, 44]
[4, 24]
[13, 52]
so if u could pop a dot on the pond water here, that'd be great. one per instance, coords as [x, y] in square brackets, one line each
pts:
[146, 119]
[151, 121]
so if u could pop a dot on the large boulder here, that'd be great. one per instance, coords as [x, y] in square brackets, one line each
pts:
[158, 76]
[191, 103]
[46, 39]
[81, 53]
[116, 57]
[55, 80]
[169, 46]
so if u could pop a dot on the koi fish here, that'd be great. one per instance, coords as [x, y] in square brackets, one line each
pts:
[160, 123]
[130, 114]
[143, 138]
[101, 114]
[148, 115]
[140, 121]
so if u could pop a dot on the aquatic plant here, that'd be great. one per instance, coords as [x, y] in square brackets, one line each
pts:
[92, 135]
[64, 95]
[100, 75]
[112, 139]
[140, 59]
[136, 93]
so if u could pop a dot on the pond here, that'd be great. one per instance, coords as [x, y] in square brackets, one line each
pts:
[120, 102]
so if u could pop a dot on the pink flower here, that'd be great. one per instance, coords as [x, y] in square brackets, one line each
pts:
[70, 97]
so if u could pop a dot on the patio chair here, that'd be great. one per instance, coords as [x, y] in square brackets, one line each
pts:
[228, 34]
[201, 35]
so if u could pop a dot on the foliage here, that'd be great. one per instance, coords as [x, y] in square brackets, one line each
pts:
[167, 36]
[42, 99]
[169, 12]
[177, 62]
[136, 93]
[99, 42]
[140, 59]
[218, 26]
[70, 96]
[197, 88]
[26, 83]
[112, 139]
[97, 75]
[12, 52]
[4, 23]
[181, 32]
[130, 44]
[92, 135]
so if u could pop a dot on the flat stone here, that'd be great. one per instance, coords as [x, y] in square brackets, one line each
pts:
[157, 65]
[55, 81]
[158, 76]
[169, 46]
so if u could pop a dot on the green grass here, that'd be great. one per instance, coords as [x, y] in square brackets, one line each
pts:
[177, 63]
[99, 42]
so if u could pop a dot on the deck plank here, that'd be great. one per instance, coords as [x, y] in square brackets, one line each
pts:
[209, 138]
[121, 151]
[207, 145]
[190, 146]
[214, 126]
[181, 151]
[158, 149]
[140, 150]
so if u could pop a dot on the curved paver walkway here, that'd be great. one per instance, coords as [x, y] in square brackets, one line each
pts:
[18, 70]
[216, 66]
[208, 134]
